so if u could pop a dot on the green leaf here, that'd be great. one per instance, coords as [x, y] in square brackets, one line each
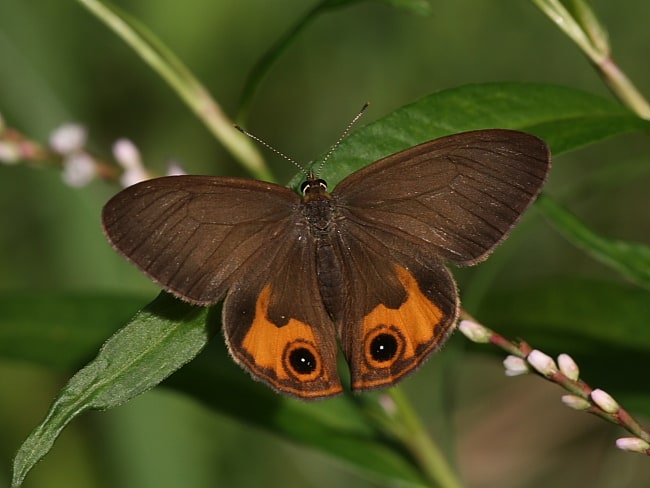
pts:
[159, 339]
[564, 117]
[630, 259]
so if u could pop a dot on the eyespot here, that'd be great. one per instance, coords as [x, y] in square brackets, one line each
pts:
[302, 361]
[383, 346]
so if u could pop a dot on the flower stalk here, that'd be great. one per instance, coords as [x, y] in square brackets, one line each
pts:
[523, 358]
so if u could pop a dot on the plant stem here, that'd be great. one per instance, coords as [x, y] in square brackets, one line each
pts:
[623, 88]
[183, 82]
[414, 436]
[582, 26]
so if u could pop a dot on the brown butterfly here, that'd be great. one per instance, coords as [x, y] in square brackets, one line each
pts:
[362, 266]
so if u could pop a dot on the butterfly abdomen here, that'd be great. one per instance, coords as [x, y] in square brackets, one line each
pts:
[319, 213]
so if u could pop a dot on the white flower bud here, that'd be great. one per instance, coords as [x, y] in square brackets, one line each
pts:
[78, 170]
[474, 332]
[542, 363]
[568, 366]
[68, 138]
[633, 444]
[515, 366]
[133, 176]
[604, 400]
[127, 154]
[175, 169]
[575, 402]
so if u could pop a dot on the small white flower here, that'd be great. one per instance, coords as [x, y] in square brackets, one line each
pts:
[604, 400]
[515, 366]
[575, 402]
[474, 332]
[175, 169]
[568, 366]
[127, 154]
[68, 138]
[542, 363]
[633, 444]
[133, 176]
[78, 170]
[9, 153]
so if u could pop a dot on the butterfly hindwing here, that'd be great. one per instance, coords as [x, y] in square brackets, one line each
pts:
[398, 308]
[276, 325]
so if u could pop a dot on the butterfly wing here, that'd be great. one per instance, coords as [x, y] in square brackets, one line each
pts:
[460, 194]
[452, 199]
[276, 325]
[396, 309]
[193, 234]
[203, 237]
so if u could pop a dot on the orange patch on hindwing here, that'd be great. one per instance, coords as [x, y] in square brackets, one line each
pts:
[288, 356]
[402, 334]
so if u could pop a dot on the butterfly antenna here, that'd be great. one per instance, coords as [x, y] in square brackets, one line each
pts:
[342, 136]
[271, 148]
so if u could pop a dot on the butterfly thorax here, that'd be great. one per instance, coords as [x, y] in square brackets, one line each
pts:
[317, 206]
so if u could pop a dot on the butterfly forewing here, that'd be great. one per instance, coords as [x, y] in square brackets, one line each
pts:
[194, 234]
[461, 193]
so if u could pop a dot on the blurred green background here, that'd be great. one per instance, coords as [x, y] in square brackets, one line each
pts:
[59, 64]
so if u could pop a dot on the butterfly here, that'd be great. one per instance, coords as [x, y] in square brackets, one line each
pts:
[361, 267]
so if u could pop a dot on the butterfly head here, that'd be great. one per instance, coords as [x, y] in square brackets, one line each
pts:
[314, 187]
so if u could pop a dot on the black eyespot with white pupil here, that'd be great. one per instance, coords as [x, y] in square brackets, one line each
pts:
[383, 347]
[302, 361]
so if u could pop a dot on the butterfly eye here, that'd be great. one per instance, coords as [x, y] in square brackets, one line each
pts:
[384, 345]
[302, 360]
[310, 185]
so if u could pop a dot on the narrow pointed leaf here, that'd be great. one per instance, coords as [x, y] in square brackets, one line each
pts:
[159, 340]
